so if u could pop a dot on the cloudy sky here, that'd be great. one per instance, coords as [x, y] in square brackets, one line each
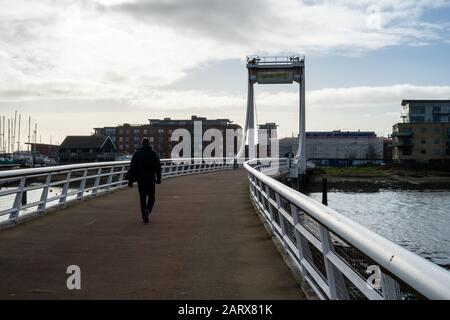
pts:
[75, 65]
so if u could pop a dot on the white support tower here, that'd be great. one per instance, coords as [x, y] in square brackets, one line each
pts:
[275, 70]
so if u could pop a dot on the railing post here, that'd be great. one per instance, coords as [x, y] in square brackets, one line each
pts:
[335, 280]
[82, 185]
[270, 207]
[44, 195]
[298, 238]
[326, 247]
[121, 175]
[111, 173]
[65, 188]
[14, 215]
[281, 218]
[390, 288]
[97, 182]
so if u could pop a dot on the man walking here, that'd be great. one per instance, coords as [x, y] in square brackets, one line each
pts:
[145, 168]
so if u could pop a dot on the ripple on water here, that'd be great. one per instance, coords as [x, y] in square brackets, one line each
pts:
[416, 220]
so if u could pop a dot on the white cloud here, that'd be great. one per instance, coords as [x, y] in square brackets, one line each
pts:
[81, 53]
[366, 108]
[121, 48]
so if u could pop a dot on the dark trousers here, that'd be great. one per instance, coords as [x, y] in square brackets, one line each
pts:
[146, 195]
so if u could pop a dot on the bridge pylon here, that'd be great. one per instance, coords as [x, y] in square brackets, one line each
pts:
[275, 70]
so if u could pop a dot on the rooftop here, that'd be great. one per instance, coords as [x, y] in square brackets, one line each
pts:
[405, 102]
[92, 142]
[193, 118]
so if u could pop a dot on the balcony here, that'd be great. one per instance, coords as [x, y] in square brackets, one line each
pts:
[402, 134]
[400, 144]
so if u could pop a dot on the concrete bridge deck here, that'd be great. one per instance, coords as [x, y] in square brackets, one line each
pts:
[204, 241]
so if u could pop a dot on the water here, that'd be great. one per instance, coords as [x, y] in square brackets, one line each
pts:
[6, 202]
[416, 220]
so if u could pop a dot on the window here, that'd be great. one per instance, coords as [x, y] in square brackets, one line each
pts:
[151, 139]
[120, 139]
[423, 141]
[437, 131]
[436, 109]
[437, 141]
[417, 110]
[120, 131]
[145, 131]
[160, 130]
[423, 151]
[436, 152]
[423, 130]
[407, 151]
[415, 119]
[436, 118]
[407, 130]
[136, 131]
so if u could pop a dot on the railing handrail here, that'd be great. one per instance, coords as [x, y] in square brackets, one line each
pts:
[91, 165]
[426, 277]
[80, 181]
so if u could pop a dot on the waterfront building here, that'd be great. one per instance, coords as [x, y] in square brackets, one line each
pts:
[338, 148]
[76, 149]
[45, 149]
[128, 137]
[425, 111]
[423, 136]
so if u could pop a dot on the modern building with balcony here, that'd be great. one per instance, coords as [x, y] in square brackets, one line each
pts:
[423, 136]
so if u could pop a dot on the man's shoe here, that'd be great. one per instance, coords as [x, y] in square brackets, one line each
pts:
[145, 217]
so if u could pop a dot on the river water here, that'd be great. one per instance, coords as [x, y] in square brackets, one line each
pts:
[416, 220]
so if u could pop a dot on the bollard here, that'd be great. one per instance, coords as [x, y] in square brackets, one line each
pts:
[324, 191]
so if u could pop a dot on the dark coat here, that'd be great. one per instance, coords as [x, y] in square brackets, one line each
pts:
[145, 166]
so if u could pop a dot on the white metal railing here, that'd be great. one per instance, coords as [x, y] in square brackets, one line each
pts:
[339, 258]
[28, 192]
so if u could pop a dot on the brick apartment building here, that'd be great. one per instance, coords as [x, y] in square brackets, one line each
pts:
[127, 137]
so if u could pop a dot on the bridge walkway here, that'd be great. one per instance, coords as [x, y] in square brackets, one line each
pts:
[204, 241]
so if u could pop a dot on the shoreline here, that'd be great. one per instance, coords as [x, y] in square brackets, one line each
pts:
[376, 184]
